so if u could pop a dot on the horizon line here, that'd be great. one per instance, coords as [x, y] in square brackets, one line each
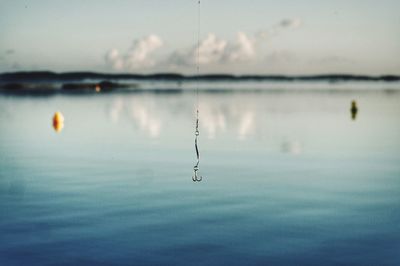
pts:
[79, 75]
[190, 75]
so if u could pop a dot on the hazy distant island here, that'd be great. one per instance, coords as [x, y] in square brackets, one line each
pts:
[47, 82]
[79, 76]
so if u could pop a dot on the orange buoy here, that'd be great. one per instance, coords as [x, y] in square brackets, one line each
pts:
[58, 122]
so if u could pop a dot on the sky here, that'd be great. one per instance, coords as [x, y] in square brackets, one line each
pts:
[237, 36]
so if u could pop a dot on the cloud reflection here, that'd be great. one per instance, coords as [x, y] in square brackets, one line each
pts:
[213, 120]
[115, 110]
[148, 114]
[220, 115]
[138, 111]
[146, 119]
[246, 124]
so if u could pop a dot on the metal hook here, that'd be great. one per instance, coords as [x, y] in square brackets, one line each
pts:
[196, 177]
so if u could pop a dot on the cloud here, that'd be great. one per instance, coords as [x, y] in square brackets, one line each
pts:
[114, 59]
[139, 55]
[292, 23]
[242, 50]
[215, 50]
[211, 50]
[275, 30]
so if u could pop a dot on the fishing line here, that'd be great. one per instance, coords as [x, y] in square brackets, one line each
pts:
[196, 177]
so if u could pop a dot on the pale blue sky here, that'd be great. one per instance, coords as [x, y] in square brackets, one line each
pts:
[276, 37]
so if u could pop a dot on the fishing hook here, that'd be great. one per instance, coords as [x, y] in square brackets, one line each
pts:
[196, 177]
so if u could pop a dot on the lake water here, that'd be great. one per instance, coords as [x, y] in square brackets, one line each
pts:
[289, 178]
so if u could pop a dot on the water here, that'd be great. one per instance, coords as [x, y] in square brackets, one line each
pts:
[288, 179]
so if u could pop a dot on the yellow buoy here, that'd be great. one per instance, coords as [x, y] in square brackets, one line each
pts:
[58, 121]
[354, 110]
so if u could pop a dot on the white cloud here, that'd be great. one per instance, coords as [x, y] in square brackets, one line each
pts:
[139, 55]
[215, 50]
[114, 59]
[211, 49]
[241, 50]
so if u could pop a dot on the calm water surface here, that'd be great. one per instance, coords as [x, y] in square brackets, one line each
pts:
[289, 179]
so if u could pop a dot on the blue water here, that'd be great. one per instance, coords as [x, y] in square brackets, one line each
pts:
[288, 179]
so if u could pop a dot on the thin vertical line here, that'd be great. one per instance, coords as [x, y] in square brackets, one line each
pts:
[198, 58]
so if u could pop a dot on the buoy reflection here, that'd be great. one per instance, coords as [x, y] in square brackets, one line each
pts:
[58, 122]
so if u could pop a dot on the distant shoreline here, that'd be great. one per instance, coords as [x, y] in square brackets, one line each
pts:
[50, 83]
[48, 76]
